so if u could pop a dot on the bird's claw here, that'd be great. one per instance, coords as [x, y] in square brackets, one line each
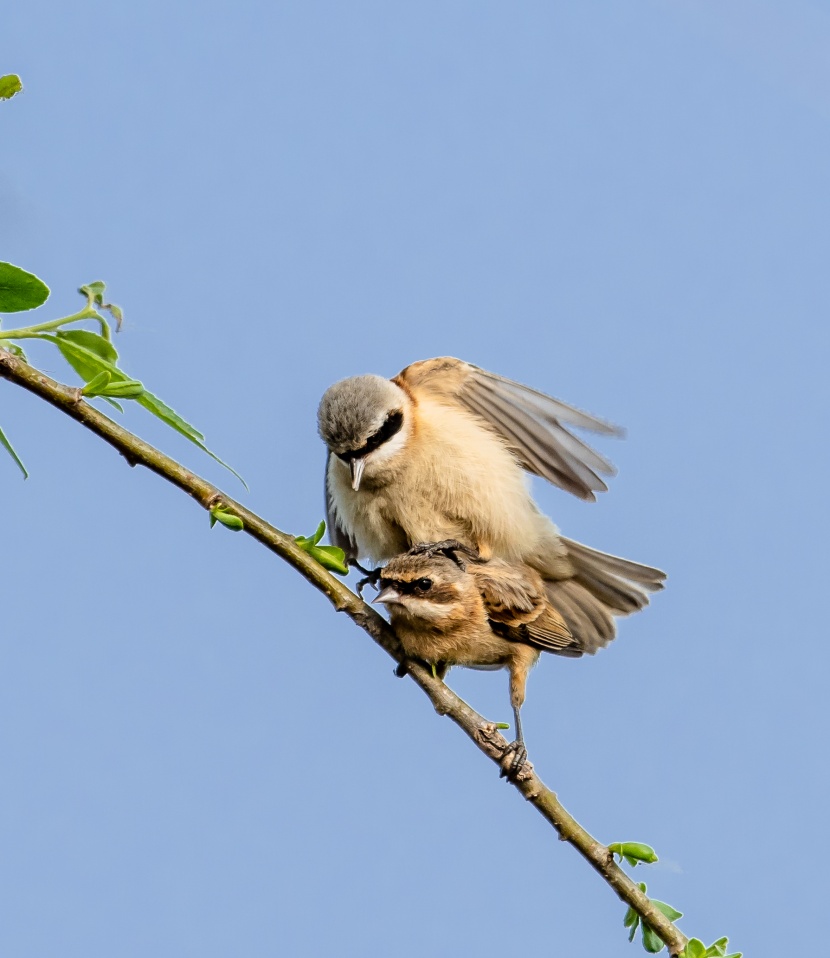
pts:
[371, 578]
[510, 770]
[402, 668]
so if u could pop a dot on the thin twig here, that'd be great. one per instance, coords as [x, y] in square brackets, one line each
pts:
[483, 733]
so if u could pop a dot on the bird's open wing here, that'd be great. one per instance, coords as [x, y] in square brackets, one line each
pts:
[533, 424]
[518, 607]
[337, 534]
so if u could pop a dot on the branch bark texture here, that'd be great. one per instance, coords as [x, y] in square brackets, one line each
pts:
[483, 733]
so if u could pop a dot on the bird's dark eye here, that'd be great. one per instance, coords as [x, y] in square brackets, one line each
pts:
[423, 585]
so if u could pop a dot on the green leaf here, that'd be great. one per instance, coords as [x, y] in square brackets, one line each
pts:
[632, 918]
[218, 514]
[10, 84]
[94, 342]
[20, 290]
[116, 312]
[716, 950]
[652, 942]
[95, 291]
[89, 363]
[694, 949]
[112, 402]
[126, 389]
[502, 725]
[169, 416]
[306, 542]
[93, 386]
[330, 557]
[634, 852]
[4, 442]
[671, 913]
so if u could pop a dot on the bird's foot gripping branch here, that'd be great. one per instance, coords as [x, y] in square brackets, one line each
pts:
[91, 354]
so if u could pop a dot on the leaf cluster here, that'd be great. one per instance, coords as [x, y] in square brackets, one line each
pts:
[90, 353]
[696, 949]
[330, 557]
[635, 853]
[652, 942]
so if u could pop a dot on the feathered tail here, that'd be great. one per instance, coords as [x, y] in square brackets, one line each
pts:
[602, 586]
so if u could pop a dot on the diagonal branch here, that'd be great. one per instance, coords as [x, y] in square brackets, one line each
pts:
[484, 734]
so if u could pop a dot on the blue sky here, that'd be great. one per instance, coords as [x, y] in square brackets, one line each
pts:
[626, 207]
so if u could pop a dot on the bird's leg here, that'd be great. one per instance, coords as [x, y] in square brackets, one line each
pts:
[522, 660]
[518, 750]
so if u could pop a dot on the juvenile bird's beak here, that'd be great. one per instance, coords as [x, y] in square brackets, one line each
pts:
[389, 596]
[356, 467]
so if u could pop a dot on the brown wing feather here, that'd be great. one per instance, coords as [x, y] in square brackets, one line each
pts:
[518, 608]
[532, 423]
[589, 620]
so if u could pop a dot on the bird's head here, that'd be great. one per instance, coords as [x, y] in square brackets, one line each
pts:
[427, 589]
[364, 421]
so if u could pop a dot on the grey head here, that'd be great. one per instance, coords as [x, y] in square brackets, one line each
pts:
[358, 415]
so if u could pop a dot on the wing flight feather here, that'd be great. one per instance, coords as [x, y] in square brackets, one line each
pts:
[533, 424]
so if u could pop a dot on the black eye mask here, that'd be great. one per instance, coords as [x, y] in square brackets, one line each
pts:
[391, 427]
[416, 587]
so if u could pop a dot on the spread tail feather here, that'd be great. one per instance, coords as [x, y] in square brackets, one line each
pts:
[602, 586]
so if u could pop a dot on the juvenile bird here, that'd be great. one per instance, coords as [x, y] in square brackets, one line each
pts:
[440, 453]
[448, 608]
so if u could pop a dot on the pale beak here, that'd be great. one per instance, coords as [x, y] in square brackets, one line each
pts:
[356, 467]
[388, 596]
